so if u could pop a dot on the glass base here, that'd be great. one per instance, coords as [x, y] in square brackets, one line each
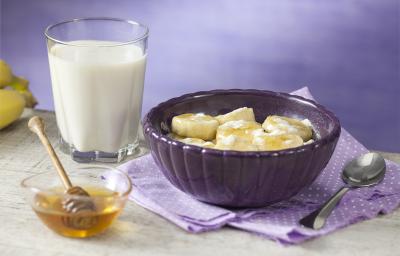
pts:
[99, 156]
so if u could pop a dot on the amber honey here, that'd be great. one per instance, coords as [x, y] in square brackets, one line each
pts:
[50, 210]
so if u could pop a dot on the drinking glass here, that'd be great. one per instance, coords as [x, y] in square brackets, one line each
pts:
[97, 68]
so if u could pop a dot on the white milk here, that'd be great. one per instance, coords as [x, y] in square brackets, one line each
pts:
[97, 94]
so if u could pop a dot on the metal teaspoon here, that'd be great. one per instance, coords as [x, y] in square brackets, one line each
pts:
[363, 171]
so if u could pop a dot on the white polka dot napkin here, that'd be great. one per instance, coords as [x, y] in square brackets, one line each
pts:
[278, 222]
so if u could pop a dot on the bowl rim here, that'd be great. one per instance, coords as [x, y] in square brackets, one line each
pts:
[151, 131]
[37, 189]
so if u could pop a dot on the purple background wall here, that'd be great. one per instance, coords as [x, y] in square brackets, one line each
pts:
[346, 51]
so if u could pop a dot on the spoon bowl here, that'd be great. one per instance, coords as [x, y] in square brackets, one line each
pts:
[366, 170]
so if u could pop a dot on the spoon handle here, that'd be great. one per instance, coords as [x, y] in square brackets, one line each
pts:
[317, 219]
[36, 125]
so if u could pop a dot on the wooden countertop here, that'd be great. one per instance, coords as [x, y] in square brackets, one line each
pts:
[140, 232]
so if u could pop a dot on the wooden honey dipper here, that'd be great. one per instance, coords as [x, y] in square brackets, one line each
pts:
[71, 202]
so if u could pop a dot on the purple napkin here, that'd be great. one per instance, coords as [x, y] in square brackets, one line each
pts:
[278, 222]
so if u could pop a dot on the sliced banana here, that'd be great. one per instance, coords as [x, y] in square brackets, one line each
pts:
[198, 142]
[267, 142]
[237, 135]
[199, 126]
[233, 142]
[238, 130]
[246, 114]
[308, 142]
[279, 125]
[192, 141]
[175, 136]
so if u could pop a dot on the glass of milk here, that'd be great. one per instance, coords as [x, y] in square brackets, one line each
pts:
[97, 68]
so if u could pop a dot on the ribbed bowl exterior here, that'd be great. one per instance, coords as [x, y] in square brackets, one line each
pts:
[233, 178]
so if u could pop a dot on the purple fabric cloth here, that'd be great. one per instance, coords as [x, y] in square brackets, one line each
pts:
[278, 222]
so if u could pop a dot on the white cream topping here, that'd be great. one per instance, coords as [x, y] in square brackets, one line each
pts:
[228, 140]
[281, 124]
[258, 140]
[258, 132]
[287, 142]
[234, 124]
[270, 127]
[276, 132]
[306, 122]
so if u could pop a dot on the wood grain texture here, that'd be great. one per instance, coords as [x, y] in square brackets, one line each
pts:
[140, 232]
[37, 126]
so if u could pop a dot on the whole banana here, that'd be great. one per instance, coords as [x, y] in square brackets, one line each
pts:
[14, 95]
[11, 106]
[20, 84]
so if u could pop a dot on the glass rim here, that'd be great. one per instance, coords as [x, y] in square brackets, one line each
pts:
[139, 38]
[37, 189]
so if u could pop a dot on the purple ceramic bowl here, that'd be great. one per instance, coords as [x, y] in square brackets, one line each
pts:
[235, 178]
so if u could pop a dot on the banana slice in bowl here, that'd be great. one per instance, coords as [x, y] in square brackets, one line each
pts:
[279, 125]
[198, 142]
[200, 126]
[175, 136]
[267, 142]
[237, 135]
[192, 141]
[245, 114]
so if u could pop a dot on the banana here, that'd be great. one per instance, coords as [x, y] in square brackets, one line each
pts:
[6, 75]
[13, 101]
[238, 130]
[7, 79]
[11, 107]
[267, 142]
[200, 126]
[21, 85]
[175, 136]
[308, 142]
[244, 113]
[237, 135]
[198, 142]
[279, 125]
[192, 141]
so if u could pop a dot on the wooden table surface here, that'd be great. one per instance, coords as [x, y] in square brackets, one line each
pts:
[140, 232]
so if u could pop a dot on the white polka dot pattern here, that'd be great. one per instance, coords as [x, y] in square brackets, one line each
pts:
[278, 222]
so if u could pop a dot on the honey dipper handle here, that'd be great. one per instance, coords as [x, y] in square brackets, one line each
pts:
[36, 125]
